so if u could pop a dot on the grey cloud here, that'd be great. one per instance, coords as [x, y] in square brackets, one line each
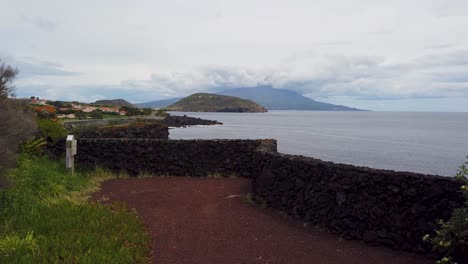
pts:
[441, 46]
[334, 43]
[454, 58]
[452, 8]
[435, 75]
[370, 78]
[40, 22]
[383, 31]
[45, 24]
[30, 67]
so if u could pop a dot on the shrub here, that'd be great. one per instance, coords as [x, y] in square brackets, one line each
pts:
[131, 111]
[451, 239]
[51, 130]
[80, 115]
[14, 244]
[46, 111]
[34, 148]
[7, 76]
[161, 112]
[17, 126]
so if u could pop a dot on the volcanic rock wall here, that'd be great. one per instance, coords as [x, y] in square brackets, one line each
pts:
[153, 130]
[380, 207]
[173, 157]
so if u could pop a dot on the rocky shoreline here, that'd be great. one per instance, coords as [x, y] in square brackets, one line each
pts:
[184, 121]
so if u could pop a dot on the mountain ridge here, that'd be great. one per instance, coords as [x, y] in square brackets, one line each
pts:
[269, 97]
[283, 99]
[115, 102]
[206, 102]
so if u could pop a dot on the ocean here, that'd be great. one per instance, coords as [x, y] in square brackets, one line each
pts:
[431, 143]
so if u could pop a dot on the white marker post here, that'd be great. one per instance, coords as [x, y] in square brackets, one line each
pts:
[71, 152]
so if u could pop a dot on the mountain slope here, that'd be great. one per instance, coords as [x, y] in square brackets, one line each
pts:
[160, 103]
[281, 99]
[115, 102]
[205, 102]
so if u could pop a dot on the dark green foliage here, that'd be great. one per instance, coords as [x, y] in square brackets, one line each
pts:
[161, 112]
[147, 111]
[41, 223]
[451, 239]
[131, 111]
[17, 123]
[96, 114]
[7, 76]
[51, 130]
[65, 112]
[80, 115]
[34, 148]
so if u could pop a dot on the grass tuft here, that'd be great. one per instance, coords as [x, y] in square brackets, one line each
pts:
[45, 217]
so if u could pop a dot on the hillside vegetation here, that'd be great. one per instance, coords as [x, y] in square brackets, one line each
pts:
[205, 102]
[115, 102]
[46, 217]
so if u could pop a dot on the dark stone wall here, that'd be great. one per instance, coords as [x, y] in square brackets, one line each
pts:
[380, 207]
[154, 130]
[109, 121]
[173, 157]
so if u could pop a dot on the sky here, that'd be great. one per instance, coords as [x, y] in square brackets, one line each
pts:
[397, 55]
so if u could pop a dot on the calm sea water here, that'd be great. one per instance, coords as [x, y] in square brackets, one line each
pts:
[433, 143]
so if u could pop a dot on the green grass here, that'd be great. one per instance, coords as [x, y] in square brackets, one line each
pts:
[45, 217]
[106, 116]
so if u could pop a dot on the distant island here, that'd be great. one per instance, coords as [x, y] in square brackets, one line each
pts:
[282, 99]
[114, 102]
[205, 102]
[269, 97]
[160, 103]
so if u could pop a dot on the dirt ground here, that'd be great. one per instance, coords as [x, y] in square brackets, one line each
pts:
[210, 221]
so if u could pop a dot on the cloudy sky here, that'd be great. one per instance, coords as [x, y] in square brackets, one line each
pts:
[409, 55]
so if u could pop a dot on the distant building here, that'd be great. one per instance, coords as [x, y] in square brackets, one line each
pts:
[66, 116]
[88, 109]
[109, 109]
[36, 101]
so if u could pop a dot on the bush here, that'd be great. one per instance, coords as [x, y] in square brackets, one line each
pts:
[96, 114]
[34, 148]
[161, 112]
[451, 239]
[131, 111]
[51, 130]
[7, 76]
[80, 115]
[17, 125]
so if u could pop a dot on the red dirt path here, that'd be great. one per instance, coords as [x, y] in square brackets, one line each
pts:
[195, 220]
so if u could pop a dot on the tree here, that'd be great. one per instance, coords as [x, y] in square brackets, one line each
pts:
[80, 115]
[7, 76]
[131, 111]
[17, 124]
[161, 112]
[96, 114]
[147, 111]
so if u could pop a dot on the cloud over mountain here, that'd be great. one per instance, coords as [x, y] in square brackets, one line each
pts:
[347, 52]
